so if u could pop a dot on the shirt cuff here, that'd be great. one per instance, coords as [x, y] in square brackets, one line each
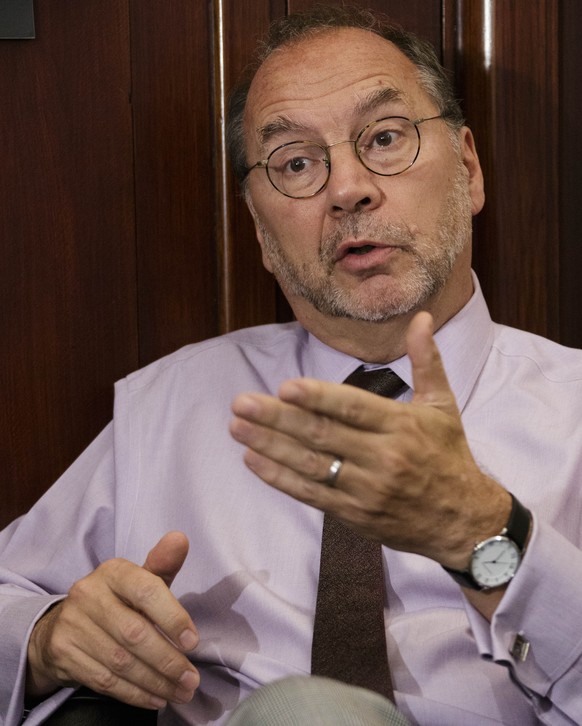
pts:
[20, 614]
[536, 627]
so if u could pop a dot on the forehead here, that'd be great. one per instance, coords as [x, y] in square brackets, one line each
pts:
[322, 79]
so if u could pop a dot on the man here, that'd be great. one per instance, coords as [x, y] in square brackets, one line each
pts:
[368, 232]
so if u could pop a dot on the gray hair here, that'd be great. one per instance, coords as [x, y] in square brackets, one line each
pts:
[432, 76]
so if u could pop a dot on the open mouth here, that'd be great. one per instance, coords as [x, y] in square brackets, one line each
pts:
[361, 250]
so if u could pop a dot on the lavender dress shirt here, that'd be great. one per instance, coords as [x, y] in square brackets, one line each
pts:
[249, 583]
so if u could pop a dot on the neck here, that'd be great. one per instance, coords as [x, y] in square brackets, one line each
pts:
[379, 342]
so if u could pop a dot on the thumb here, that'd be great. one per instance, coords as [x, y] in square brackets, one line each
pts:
[431, 386]
[167, 556]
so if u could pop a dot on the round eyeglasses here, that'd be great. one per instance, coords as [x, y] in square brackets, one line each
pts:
[301, 169]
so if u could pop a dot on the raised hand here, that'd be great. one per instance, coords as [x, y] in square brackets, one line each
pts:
[408, 477]
[121, 632]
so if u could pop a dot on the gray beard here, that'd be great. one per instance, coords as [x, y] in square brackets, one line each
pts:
[433, 261]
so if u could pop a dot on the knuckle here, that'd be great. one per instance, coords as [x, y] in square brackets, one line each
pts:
[58, 647]
[312, 464]
[61, 617]
[80, 589]
[146, 590]
[366, 515]
[133, 630]
[398, 463]
[410, 420]
[94, 583]
[105, 681]
[112, 568]
[122, 660]
[353, 412]
[310, 493]
[359, 518]
[319, 431]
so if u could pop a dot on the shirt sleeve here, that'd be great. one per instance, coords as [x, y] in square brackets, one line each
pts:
[536, 631]
[67, 533]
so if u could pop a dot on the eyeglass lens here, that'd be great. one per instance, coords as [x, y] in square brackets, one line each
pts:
[386, 147]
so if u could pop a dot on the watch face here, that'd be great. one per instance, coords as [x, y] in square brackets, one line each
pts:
[495, 561]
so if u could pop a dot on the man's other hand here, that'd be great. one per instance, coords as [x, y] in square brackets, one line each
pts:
[121, 632]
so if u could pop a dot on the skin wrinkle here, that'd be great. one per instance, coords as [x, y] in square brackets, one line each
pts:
[432, 266]
[365, 106]
[411, 205]
[376, 99]
[279, 126]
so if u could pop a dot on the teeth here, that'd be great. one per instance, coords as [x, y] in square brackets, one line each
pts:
[361, 250]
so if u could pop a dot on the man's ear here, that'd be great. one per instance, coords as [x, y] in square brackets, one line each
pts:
[471, 162]
[259, 231]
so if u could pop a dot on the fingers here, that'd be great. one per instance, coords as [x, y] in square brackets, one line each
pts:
[287, 479]
[354, 407]
[305, 440]
[298, 463]
[280, 448]
[82, 652]
[145, 594]
[312, 417]
[311, 410]
[293, 439]
[128, 621]
[121, 631]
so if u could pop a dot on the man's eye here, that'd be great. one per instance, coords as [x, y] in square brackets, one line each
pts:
[383, 139]
[297, 165]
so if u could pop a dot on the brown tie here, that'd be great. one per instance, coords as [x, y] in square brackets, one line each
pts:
[349, 637]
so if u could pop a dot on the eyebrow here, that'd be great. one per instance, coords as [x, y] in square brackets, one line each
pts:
[283, 124]
[280, 125]
[377, 98]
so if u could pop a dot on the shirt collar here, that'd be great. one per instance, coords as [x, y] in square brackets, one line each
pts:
[464, 343]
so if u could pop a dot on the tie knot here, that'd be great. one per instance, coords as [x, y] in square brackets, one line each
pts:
[382, 381]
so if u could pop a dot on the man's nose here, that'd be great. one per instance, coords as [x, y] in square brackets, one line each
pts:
[351, 186]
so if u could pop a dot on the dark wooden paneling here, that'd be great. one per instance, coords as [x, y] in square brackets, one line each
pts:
[171, 42]
[67, 286]
[249, 294]
[508, 70]
[570, 172]
[424, 17]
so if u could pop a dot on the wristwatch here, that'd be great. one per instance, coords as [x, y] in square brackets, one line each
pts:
[496, 560]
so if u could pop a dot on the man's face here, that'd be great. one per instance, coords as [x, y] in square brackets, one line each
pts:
[367, 247]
